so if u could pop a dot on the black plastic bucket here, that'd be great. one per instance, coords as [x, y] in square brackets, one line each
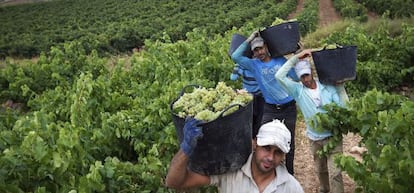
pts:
[226, 143]
[236, 40]
[282, 39]
[335, 65]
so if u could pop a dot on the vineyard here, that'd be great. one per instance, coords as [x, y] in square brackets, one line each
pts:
[82, 112]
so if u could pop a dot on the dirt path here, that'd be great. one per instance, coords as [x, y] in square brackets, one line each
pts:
[304, 165]
[327, 13]
[298, 9]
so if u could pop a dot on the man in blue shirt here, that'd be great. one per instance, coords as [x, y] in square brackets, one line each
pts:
[311, 95]
[250, 84]
[278, 104]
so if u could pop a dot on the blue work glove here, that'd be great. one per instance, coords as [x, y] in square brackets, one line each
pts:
[192, 132]
[234, 76]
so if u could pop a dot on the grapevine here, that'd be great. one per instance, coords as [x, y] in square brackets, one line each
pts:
[278, 21]
[384, 121]
[207, 104]
[337, 120]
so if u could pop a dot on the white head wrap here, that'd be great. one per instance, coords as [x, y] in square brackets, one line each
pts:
[274, 133]
[256, 42]
[302, 67]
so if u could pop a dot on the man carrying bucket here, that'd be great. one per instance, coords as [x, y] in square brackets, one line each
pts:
[250, 85]
[263, 171]
[311, 95]
[278, 104]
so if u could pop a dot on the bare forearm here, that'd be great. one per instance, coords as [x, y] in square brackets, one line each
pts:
[177, 172]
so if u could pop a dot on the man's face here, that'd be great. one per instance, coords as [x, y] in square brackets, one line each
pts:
[267, 158]
[307, 80]
[260, 52]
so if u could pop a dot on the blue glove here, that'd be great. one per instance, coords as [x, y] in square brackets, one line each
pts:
[234, 76]
[192, 132]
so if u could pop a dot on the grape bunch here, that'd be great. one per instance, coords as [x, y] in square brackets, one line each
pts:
[206, 104]
[331, 46]
[278, 21]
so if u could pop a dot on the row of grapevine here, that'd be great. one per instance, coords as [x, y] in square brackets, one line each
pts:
[395, 8]
[114, 26]
[120, 26]
[308, 18]
[351, 9]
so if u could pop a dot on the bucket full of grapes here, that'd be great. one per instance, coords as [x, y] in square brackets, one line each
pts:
[227, 126]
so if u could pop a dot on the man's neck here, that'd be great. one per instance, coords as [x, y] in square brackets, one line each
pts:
[267, 59]
[313, 84]
[262, 179]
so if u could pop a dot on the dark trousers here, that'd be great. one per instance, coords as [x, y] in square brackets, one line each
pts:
[258, 105]
[288, 114]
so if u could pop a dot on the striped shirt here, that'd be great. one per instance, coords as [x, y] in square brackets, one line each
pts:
[248, 81]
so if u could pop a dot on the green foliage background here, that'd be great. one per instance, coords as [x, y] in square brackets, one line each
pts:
[103, 124]
[111, 26]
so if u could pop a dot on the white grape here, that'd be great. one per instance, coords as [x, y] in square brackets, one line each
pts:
[207, 104]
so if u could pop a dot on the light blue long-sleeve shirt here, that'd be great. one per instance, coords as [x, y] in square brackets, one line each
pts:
[264, 72]
[328, 94]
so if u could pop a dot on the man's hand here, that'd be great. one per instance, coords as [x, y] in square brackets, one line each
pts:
[192, 132]
[305, 53]
[253, 35]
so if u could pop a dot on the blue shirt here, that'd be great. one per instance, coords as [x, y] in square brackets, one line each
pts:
[248, 80]
[264, 72]
[328, 94]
